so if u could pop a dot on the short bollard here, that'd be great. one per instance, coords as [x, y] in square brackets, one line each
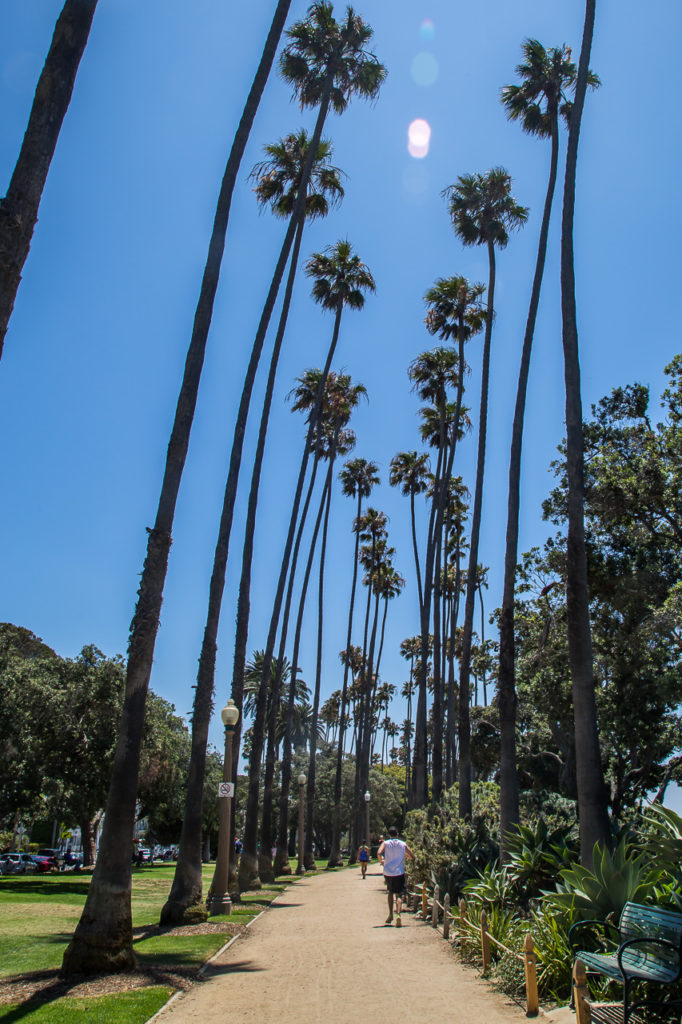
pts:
[485, 942]
[532, 1000]
[583, 1013]
[446, 916]
[462, 925]
[434, 909]
[425, 902]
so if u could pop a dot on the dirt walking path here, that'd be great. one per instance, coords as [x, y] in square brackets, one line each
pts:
[322, 955]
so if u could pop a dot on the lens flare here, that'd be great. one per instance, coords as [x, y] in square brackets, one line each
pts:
[419, 138]
[427, 30]
[424, 69]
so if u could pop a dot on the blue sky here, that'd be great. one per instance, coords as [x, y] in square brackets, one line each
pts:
[94, 354]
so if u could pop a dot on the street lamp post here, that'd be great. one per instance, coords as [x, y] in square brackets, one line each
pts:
[367, 799]
[218, 900]
[300, 870]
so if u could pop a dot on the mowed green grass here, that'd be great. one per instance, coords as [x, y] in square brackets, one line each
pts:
[40, 912]
[123, 1008]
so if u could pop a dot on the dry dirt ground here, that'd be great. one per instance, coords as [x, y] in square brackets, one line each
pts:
[322, 955]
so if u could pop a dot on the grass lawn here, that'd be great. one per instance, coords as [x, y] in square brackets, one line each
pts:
[40, 912]
[123, 1008]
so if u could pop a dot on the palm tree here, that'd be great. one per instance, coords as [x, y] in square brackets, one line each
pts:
[410, 472]
[19, 207]
[432, 374]
[344, 397]
[592, 797]
[483, 211]
[340, 279]
[538, 102]
[278, 181]
[358, 477]
[103, 940]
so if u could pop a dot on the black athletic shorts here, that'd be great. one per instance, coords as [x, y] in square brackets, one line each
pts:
[395, 884]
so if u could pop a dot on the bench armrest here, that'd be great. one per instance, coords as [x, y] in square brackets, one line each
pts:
[646, 941]
[584, 924]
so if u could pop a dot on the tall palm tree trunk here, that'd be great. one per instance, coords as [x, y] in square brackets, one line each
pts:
[437, 706]
[186, 890]
[281, 865]
[248, 865]
[19, 207]
[592, 797]
[308, 852]
[420, 775]
[463, 728]
[103, 940]
[506, 684]
[335, 852]
[283, 829]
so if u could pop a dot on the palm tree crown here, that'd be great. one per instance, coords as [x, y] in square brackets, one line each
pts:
[325, 54]
[410, 472]
[454, 309]
[339, 277]
[358, 477]
[483, 209]
[546, 76]
[278, 178]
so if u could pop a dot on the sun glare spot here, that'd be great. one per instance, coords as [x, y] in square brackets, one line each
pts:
[427, 30]
[418, 138]
[424, 69]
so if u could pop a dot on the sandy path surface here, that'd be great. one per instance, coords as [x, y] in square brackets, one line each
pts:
[322, 955]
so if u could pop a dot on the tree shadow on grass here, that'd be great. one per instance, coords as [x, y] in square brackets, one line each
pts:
[38, 888]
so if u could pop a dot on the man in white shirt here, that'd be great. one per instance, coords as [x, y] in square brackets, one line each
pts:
[391, 854]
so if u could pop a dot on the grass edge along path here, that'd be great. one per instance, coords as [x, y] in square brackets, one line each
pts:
[188, 951]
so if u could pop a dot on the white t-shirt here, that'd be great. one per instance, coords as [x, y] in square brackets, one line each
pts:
[394, 857]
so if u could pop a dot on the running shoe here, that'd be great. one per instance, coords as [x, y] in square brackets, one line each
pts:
[389, 919]
[398, 922]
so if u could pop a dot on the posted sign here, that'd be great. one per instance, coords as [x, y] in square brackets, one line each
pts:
[226, 789]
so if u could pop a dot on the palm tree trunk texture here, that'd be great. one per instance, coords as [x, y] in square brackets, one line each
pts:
[463, 730]
[506, 684]
[19, 208]
[592, 796]
[186, 890]
[308, 852]
[335, 851]
[103, 940]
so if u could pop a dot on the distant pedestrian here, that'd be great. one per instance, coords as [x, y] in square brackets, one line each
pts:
[391, 854]
[363, 857]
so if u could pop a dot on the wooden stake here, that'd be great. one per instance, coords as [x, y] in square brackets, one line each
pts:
[446, 916]
[532, 1001]
[425, 902]
[583, 1013]
[434, 908]
[485, 942]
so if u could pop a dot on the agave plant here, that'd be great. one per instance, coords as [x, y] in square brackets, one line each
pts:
[618, 877]
[536, 854]
[493, 888]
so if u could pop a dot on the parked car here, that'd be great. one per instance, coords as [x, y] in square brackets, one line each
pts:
[43, 864]
[28, 862]
[51, 854]
[11, 863]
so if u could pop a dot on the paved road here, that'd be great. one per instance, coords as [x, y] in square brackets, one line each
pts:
[322, 955]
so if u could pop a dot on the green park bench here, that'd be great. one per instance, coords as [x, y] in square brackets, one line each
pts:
[647, 947]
